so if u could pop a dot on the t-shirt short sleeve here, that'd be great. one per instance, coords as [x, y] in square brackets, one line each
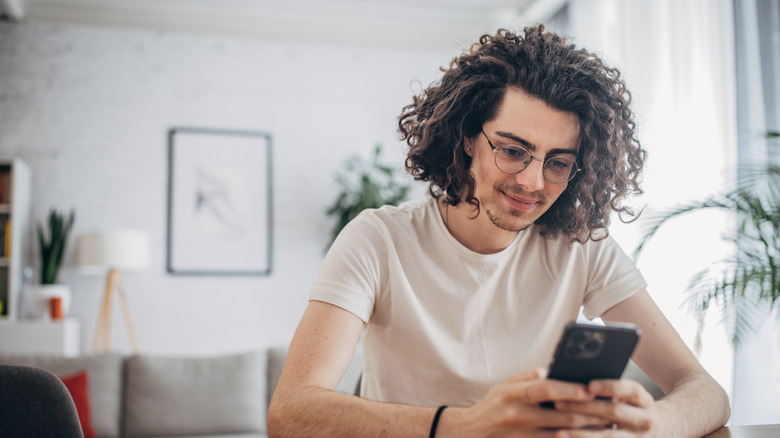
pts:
[351, 273]
[612, 277]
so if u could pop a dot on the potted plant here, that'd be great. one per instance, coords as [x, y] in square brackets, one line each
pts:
[52, 245]
[365, 184]
[748, 280]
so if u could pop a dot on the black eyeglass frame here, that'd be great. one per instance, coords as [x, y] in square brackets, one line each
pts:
[544, 161]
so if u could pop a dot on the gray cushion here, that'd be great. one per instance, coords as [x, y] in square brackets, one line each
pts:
[633, 372]
[104, 373]
[350, 383]
[276, 357]
[190, 396]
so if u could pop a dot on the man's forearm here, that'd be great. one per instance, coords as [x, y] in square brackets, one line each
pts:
[695, 408]
[325, 413]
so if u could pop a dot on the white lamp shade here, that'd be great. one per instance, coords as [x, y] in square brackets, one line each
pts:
[124, 250]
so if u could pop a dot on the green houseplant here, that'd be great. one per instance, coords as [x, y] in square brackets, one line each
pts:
[53, 246]
[748, 280]
[365, 184]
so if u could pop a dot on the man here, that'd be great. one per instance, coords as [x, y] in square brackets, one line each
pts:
[528, 145]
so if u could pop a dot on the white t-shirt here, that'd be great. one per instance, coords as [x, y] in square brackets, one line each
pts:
[444, 323]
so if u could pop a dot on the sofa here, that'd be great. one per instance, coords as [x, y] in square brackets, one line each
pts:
[223, 396]
[144, 395]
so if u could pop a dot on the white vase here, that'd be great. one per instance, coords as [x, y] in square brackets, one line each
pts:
[38, 305]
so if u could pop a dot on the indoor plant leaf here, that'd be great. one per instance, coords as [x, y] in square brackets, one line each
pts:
[365, 184]
[52, 247]
[747, 280]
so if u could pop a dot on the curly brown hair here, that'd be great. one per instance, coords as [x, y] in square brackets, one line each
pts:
[545, 65]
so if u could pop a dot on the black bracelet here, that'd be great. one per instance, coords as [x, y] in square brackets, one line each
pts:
[436, 421]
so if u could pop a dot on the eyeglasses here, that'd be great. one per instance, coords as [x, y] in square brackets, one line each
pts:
[557, 169]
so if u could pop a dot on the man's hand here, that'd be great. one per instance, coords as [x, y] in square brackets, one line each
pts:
[630, 410]
[511, 409]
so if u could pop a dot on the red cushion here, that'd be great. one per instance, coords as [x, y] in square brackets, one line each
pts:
[77, 386]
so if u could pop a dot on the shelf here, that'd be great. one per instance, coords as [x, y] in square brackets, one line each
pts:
[15, 185]
[39, 336]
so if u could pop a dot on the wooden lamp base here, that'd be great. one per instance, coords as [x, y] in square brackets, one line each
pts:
[103, 332]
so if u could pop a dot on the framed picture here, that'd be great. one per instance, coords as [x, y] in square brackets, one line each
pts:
[219, 202]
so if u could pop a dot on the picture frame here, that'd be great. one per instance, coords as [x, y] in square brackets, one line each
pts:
[219, 202]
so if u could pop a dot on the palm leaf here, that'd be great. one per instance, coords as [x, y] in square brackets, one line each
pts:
[748, 280]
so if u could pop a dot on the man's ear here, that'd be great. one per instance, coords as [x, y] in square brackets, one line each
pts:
[468, 146]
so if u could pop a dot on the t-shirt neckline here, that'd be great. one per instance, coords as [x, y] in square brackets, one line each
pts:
[433, 205]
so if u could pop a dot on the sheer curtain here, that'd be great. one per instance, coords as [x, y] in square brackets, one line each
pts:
[756, 396]
[686, 61]
[677, 57]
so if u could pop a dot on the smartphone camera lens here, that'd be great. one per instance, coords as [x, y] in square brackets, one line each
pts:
[592, 345]
[584, 344]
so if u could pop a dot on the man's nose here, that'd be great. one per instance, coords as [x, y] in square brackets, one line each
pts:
[532, 177]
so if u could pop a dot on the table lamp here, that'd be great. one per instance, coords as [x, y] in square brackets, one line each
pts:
[112, 252]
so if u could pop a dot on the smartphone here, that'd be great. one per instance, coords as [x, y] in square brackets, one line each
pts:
[587, 351]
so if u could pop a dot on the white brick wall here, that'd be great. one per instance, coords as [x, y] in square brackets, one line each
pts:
[88, 109]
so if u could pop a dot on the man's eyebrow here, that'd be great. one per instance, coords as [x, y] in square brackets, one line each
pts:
[517, 139]
[532, 147]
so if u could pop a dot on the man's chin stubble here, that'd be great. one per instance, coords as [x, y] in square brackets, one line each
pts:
[498, 221]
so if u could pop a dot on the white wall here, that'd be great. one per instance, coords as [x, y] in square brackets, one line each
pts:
[88, 109]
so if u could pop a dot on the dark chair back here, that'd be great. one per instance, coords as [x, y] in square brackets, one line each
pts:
[35, 403]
